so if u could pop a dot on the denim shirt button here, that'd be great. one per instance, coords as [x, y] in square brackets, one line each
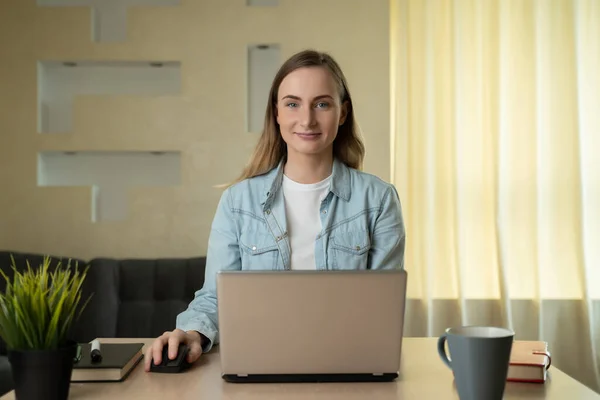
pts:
[253, 248]
[357, 247]
[268, 212]
[324, 211]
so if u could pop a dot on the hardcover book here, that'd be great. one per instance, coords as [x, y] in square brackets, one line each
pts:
[118, 359]
[529, 361]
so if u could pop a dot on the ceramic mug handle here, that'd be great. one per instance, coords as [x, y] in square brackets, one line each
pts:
[442, 350]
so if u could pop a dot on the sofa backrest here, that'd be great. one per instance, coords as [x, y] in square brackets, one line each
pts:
[129, 298]
[138, 297]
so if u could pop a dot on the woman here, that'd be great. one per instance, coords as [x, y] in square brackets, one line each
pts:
[301, 203]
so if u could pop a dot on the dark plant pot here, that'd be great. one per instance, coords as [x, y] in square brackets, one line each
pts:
[42, 374]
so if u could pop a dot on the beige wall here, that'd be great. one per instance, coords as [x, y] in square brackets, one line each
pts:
[207, 122]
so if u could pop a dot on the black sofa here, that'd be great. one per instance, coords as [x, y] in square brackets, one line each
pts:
[137, 298]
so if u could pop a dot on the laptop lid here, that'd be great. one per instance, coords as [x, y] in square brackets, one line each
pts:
[311, 323]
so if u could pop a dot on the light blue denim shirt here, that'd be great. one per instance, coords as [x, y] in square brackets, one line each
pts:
[362, 228]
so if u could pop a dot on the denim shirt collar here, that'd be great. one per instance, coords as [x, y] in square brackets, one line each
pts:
[340, 181]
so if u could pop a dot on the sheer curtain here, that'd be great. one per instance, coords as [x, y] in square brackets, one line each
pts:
[496, 155]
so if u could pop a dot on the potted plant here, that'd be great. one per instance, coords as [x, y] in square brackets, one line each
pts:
[37, 310]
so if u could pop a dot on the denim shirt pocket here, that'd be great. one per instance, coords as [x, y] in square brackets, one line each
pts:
[258, 251]
[350, 250]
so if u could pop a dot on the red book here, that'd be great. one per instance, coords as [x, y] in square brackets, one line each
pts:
[529, 361]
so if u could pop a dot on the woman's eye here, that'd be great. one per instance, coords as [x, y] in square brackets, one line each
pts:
[292, 105]
[322, 105]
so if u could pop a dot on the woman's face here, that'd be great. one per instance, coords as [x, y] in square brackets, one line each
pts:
[309, 111]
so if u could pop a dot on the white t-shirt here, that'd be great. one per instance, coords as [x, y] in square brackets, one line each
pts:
[302, 206]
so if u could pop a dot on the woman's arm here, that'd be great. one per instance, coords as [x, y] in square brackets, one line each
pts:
[223, 254]
[388, 237]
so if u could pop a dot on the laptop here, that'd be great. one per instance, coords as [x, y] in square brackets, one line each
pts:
[311, 326]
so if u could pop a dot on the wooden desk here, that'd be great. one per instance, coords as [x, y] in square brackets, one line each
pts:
[422, 377]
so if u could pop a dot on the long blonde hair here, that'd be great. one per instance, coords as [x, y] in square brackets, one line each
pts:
[271, 148]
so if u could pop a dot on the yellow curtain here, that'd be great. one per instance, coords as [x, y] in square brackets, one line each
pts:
[496, 155]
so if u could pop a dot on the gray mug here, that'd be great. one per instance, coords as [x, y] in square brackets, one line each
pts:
[479, 359]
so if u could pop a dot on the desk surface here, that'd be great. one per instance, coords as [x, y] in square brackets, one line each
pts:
[422, 376]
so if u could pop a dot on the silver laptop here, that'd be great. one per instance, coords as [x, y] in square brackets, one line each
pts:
[316, 326]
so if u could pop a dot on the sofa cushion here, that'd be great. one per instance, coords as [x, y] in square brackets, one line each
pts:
[99, 318]
[145, 295]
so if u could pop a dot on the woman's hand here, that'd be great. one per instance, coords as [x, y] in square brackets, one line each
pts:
[172, 339]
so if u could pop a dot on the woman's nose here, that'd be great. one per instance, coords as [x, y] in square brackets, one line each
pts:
[307, 117]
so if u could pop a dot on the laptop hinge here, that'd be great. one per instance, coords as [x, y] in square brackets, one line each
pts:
[242, 375]
[378, 374]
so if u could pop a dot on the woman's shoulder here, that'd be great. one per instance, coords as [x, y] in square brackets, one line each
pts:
[248, 188]
[370, 181]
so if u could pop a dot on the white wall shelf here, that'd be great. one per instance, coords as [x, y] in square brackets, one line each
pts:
[262, 3]
[263, 63]
[110, 175]
[60, 82]
[109, 17]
